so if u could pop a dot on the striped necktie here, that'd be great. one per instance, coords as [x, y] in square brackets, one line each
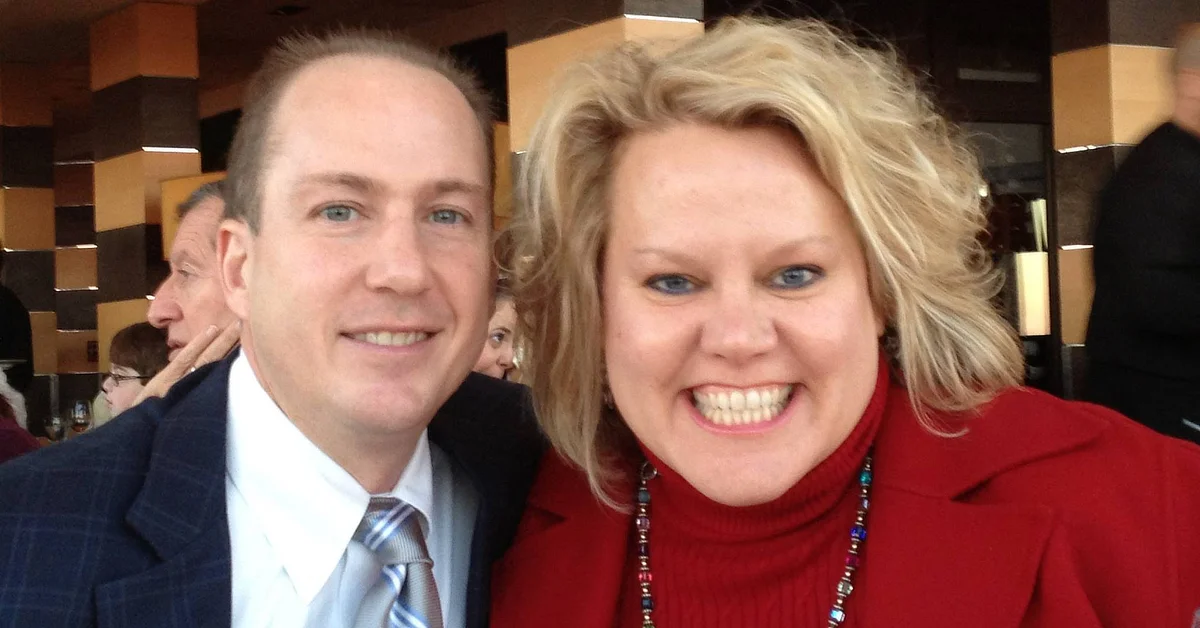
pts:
[391, 530]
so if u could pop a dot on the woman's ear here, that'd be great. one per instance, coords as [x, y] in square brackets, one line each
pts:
[235, 261]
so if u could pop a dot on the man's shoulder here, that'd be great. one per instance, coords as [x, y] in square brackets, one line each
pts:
[58, 476]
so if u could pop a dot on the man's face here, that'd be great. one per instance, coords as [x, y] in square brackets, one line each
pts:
[365, 294]
[191, 299]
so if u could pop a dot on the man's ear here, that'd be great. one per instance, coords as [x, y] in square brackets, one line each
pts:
[235, 261]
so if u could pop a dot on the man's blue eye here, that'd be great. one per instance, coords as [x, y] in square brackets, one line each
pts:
[338, 213]
[447, 216]
[671, 284]
[795, 277]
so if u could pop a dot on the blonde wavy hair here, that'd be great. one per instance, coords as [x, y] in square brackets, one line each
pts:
[911, 187]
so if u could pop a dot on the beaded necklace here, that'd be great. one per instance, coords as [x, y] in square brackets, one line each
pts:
[845, 585]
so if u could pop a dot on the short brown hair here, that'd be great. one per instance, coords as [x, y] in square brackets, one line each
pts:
[248, 155]
[141, 347]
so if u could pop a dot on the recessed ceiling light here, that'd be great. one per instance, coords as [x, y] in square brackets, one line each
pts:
[288, 10]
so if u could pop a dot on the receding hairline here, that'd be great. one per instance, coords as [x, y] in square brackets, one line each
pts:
[284, 91]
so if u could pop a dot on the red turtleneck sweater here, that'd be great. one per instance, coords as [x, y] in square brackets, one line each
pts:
[770, 565]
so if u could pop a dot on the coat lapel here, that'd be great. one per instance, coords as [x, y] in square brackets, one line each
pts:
[564, 527]
[180, 513]
[934, 556]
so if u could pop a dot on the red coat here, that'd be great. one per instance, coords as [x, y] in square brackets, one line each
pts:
[1046, 513]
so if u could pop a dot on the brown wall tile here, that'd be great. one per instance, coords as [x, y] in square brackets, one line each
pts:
[26, 156]
[73, 185]
[30, 274]
[74, 268]
[24, 101]
[129, 262]
[1078, 178]
[1082, 98]
[74, 225]
[76, 309]
[145, 111]
[530, 20]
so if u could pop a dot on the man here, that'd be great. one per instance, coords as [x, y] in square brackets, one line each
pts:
[16, 336]
[1143, 342]
[190, 300]
[307, 481]
[190, 303]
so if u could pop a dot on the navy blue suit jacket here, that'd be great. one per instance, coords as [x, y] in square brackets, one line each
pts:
[127, 527]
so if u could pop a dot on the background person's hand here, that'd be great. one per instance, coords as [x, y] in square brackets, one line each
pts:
[211, 345]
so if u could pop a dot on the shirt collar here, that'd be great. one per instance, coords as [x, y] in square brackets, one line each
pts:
[306, 504]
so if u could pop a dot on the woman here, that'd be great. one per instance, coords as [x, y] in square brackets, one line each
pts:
[760, 334]
[15, 440]
[138, 352]
[496, 359]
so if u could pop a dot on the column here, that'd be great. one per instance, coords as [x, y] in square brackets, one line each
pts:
[1112, 84]
[545, 35]
[144, 66]
[27, 215]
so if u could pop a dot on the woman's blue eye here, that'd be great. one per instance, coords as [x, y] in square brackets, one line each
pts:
[795, 277]
[338, 213]
[447, 216]
[671, 284]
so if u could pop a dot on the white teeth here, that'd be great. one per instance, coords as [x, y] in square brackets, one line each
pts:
[742, 407]
[389, 339]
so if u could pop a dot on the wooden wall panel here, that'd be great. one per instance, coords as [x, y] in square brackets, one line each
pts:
[174, 192]
[1076, 287]
[45, 341]
[144, 39]
[73, 352]
[129, 190]
[114, 316]
[23, 99]
[533, 66]
[74, 268]
[27, 218]
[221, 99]
[1082, 98]
[1143, 95]
[73, 185]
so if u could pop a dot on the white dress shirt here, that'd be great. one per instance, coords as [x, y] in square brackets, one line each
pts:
[293, 512]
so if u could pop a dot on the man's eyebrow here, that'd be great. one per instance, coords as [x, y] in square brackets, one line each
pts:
[355, 182]
[450, 186]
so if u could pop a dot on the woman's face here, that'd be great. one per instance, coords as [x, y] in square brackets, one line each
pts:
[497, 357]
[120, 395]
[741, 341]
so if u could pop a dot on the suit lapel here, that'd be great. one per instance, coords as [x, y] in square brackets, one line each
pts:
[493, 441]
[180, 513]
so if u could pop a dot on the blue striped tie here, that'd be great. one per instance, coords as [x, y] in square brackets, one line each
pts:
[391, 530]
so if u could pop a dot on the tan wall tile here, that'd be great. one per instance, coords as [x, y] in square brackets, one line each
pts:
[74, 268]
[144, 39]
[45, 341]
[113, 317]
[27, 218]
[1082, 97]
[1076, 287]
[129, 187]
[174, 192]
[72, 352]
